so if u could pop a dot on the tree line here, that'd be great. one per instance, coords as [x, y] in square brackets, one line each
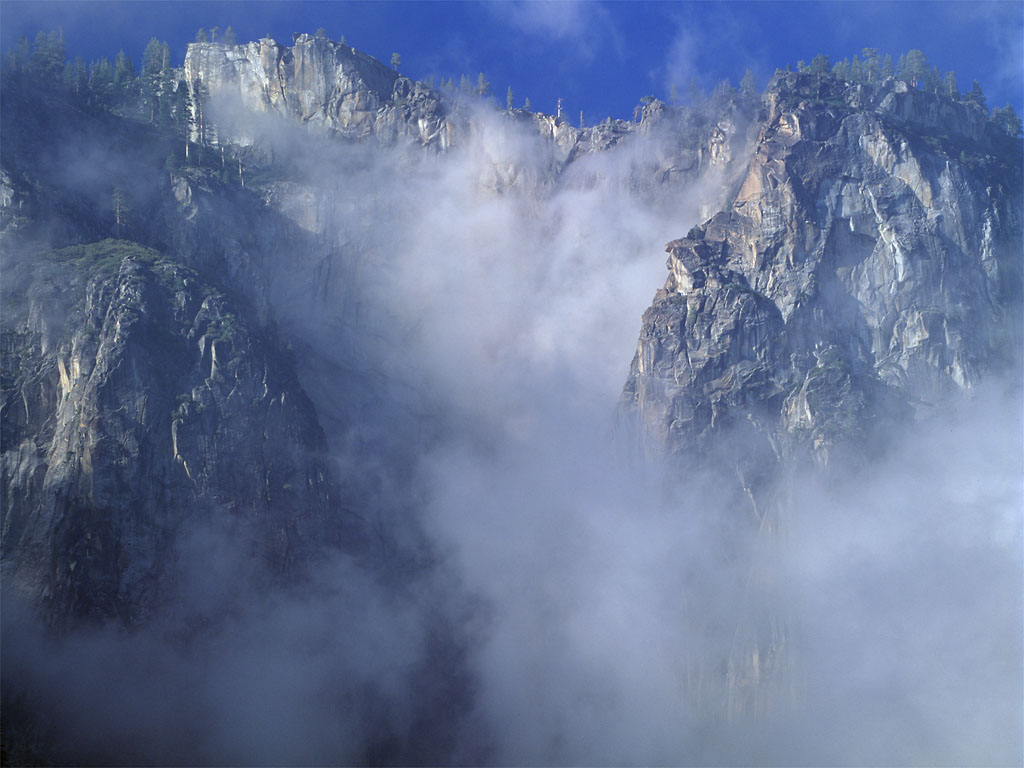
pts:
[156, 93]
[914, 68]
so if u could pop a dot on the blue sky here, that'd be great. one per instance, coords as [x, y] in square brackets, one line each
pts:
[600, 57]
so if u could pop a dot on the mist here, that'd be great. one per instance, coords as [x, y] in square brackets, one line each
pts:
[561, 600]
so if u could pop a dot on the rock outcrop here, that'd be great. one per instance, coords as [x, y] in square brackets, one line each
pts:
[868, 267]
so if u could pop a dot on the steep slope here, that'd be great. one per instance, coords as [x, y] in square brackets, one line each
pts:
[138, 405]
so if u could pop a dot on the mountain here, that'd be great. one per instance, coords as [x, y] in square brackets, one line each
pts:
[305, 403]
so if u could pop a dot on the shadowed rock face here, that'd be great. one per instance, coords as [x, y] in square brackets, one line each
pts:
[868, 266]
[145, 408]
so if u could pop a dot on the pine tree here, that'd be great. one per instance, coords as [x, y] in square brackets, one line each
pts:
[887, 67]
[916, 66]
[748, 85]
[101, 80]
[856, 70]
[119, 207]
[124, 76]
[165, 115]
[872, 64]
[1008, 120]
[152, 67]
[183, 117]
[76, 76]
[509, 98]
[483, 88]
[214, 31]
[201, 35]
[975, 96]
[18, 59]
[396, 61]
[526, 104]
[951, 86]
[229, 36]
[48, 55]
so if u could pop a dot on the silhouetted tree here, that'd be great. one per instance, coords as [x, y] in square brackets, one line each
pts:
[201, 35]
[396, 61]
[229, 36]
[509, 98]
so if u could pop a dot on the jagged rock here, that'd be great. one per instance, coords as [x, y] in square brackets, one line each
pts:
[319, 82]
[888, 258]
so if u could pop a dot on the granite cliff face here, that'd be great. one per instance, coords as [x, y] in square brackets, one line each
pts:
[139, 405]
[338, 90]
[868, 267]
[867, 274]
[318, 82]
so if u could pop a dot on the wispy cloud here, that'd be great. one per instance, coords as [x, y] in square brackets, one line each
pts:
[586, 27]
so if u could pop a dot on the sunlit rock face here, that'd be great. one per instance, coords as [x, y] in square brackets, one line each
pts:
[324, 84]
[333, 88]
[868, 266]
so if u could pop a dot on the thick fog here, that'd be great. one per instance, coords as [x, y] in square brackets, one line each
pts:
[561, 600]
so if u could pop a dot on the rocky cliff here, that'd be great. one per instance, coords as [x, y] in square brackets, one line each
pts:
[335, 89]
[138, 405]
[867, 274]
[868, 267]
